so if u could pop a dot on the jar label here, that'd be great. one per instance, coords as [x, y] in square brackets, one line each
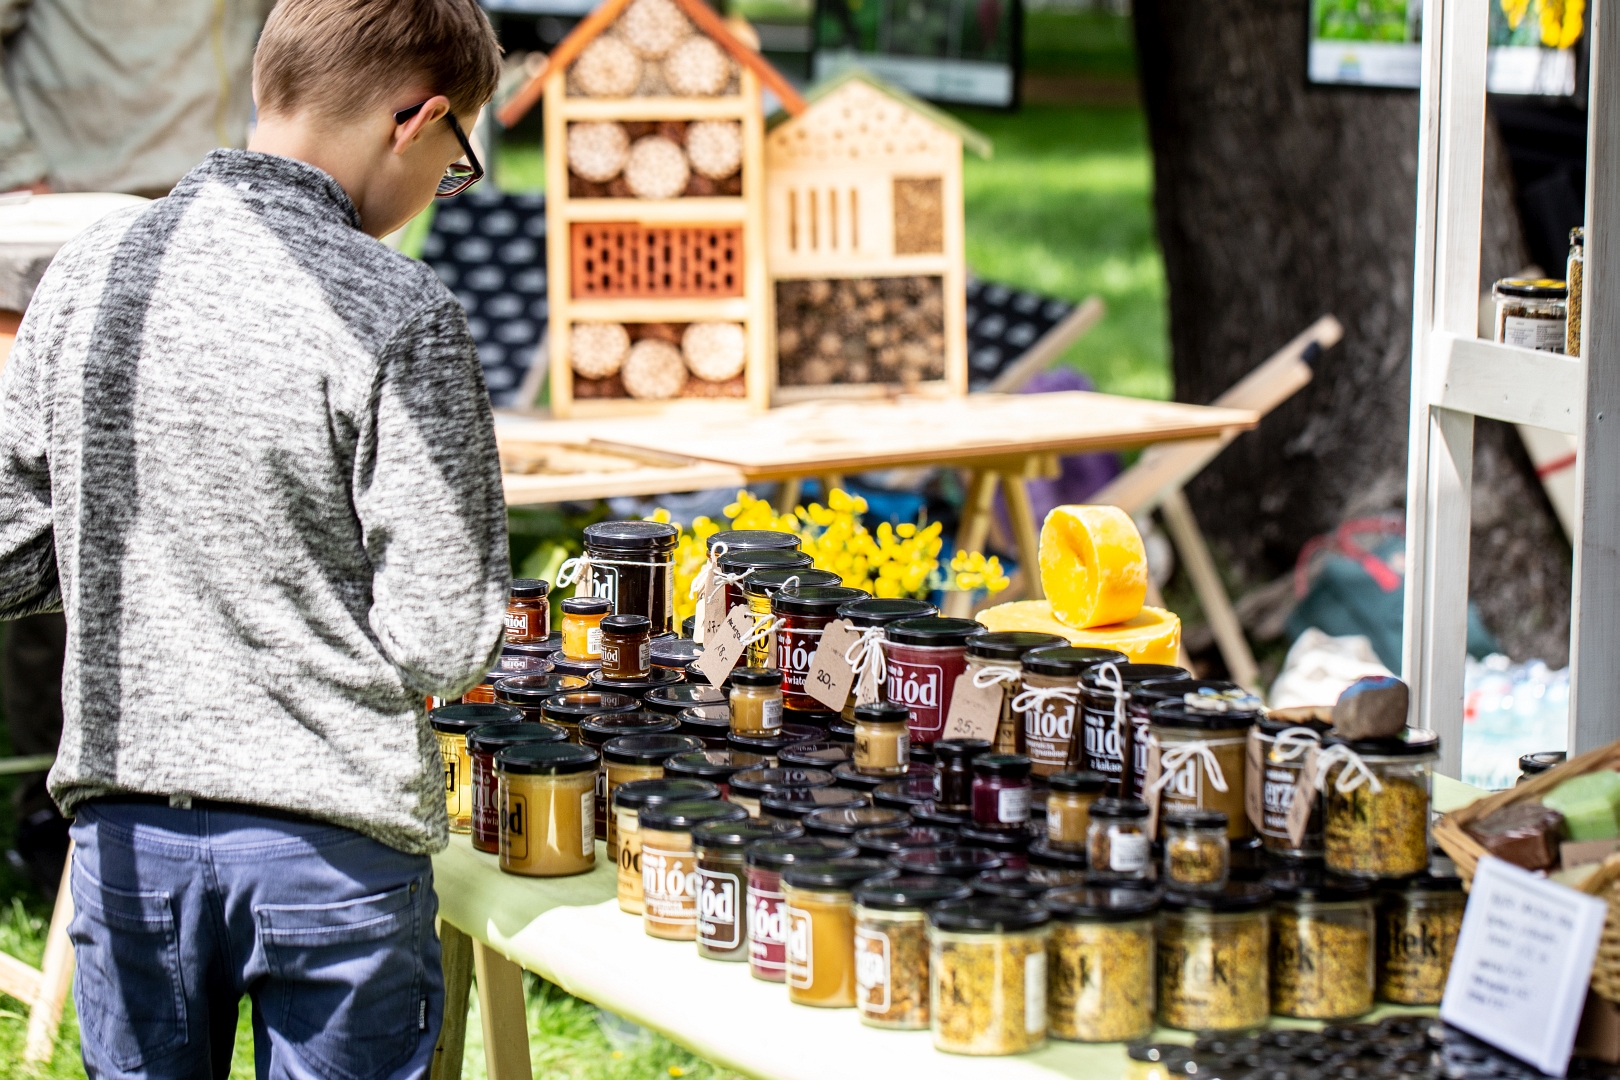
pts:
[1048, 731]
[1543, 335]
[669, 885]
[517, 623]
[1035, 993]
[629, 885]
[587, 823]
[1103, 750]
[795, 652]
[1012, 805]
[593, 643]
[718, 925]
[770, 713]
[514, 836]
[923, 686]
[646, 657]
[767, 930]
[1276, 796]
[871, 970]
[801, 955]
[1127, 851]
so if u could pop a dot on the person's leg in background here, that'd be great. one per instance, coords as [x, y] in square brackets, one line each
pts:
[31, 694]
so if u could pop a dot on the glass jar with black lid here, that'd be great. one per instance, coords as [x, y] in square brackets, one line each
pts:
[987, 975]
[544, 649]
[1001, 791]
[710, 723]
[528, 614]
[882, 843]
[844, 823]
[891, 947]
[545, 792]
[772, 745]
[870, 617]
[1114, 720]
[519, 662]
[1533, 765]
[505, 668]
[629, 800]
[882, 739]
[1010, 845]
[804, 610]
[632, 564]
[483, 743]
[818, 754]
[994, 659]
[717, 766]
[655, 679]
[954, 761]
[756, 701]
[952, 862]
[931, 813]
[1102, 963]
[767, 911]
[596, 730]
[451, 725]
[638, 757]
[529, 693]
[585, 669]
[1118, 846]
[570, 708]
[722, 882]
[582, 628]
[1211, 726]
[677, 697]
[741, 564]
[1204, 939]
[1047, 708]
[674, 653]
[797, 803]
[925, 657]
[821, 929]
[1285, 737]
[747, 788]
[1068, 807]
[626, 648]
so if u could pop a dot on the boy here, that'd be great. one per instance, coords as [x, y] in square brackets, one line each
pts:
[248, 449]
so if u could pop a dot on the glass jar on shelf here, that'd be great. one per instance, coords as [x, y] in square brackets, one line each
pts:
[1322, 945]
[1419, 919]
[1375, 795]
[1118, 847]
[1197, 854]
[1213, 958]
[722, 882]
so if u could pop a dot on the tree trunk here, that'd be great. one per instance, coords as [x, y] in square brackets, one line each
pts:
[1278, 202]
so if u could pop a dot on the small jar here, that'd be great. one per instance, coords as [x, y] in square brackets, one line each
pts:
[483, 743]
[748, 788]
[773, 744]
[1382, 833]
[1048, 701]
[451, 725]
[528, 613]
[655, 679]
[1068, 807]
[994, 660]
[820, 754]
[529, 693]
[1197, 854]
[722, 882]
[1118, 847]
[546, 648]
[506, 667]
[709, 724]
[887, 842]
[741, 564]
[911, 790]
[1532, 313]
[767, 913]
[595, 731]
[796, 804]
[987, 976]
[570, 707]
[676, 698]
[1574, 278]
[1322, 946]
[632, 565]
[669, 880]
[891, 947]
[1107, 748]
[715, 766]
[1418, 923]
[803, 613]
[844, 822]
[821, 929]
[626, 648]
[548, 791]
[1217, 722]
[1285, 736]
[960, 863]
[1011, 846]
[1100, 959]
[882, 743]
[582, 627]
[1001, 791]
[954, 761]
[628, 802]
[1213, 967]
[637, 757]
[756, 701]
[1533, 765]
[673, 654]
[869, 617]
[925, 656]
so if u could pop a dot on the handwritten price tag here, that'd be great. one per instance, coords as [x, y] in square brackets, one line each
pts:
[725, 646]
[830, 676]
[711, 613]
[975, 710]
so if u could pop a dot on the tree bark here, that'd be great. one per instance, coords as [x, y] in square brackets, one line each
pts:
[1277, 202]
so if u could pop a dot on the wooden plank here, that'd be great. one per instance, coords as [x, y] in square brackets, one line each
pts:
[792, 395]
[759, 326]
[1206, 581]
[55, 975]
[1442, 637]
[1520, 386]
[505, 1020]
[1039, 356]
[559, 283]
[734, 107]
[549, 79]
[685, 210]
[661, 309]
[1026, 534]
[539, 490]
[456, 958]
[18, 979]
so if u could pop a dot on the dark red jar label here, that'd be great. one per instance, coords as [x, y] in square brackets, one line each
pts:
[796, 644]
[922, 679]
[767, 926]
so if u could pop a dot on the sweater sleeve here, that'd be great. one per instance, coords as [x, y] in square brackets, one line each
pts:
[428, 495]
[28, 581]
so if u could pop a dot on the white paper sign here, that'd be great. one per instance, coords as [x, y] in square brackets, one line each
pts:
[1524, 957]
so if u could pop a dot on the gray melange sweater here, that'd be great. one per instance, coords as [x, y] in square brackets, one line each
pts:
[248, 449]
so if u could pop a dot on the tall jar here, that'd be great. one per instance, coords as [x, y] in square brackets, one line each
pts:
[626, 648]
[1107, 748]
[1100, 962]
[1048, 699]
[987, 976]
[1375, 795]
[925, 656]
[995, 659]
[882, 741]
[804, 613]
[483, 743]
[953, 776]
[629, 800]
[716, 766]
[1322, 946]
[756, 701]
[1203, 755]
[759, 593]
[869, 617]
[748, 788]
[722, 882]
[1419, 919]
[547, 790]
[1068, 807]
[821, 929]
[595, 731]
[506, 666]
[528, 693]
[638, 757]
[669, 878]
[570, 708]
[1285, 737]
[767, 911]
[528, 612]
[582, 627]
[891, 947]
[1118, 846]
[451, 725]
[1213, 962]
[742, 564]
[632, 565]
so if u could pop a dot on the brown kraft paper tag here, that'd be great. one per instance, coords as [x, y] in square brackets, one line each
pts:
[1254, 780]
[710, 613]
[723, 651]
[975, 710]
[1299, 809]
[1149, 778]
[830, 676]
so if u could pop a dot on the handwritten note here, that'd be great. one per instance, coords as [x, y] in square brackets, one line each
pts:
[830, 676]
[1523, 960]
[725, 647]
[975, 710]
[711, 612]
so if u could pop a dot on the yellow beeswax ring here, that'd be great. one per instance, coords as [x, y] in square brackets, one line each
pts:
[1152, 637]
[1093, 565]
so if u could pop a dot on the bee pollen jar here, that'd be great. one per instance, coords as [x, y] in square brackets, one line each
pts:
[548, 791]
[987, 976]
[669, 877]
[821, 929]
[891, 947]
[1375, 794]
[1213, 959]
[451, 725]
[1322, 946]
[1101, 960]
[1418, 923]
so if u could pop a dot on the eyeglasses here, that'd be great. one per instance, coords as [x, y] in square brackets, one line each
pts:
[459, 175]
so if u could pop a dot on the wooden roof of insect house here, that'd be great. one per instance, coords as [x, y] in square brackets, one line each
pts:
[657, 288]
[866, 184]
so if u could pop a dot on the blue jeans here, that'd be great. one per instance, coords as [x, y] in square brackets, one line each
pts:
[178, 913]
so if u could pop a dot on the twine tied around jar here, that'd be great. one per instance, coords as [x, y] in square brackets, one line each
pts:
[865, 658]
[1037, 697]
[1108, 678]
[768, 624]
[1353, 775]
[1294, 743]
[991, 674]
[1184, 756]
[575, 569]
[709, 579]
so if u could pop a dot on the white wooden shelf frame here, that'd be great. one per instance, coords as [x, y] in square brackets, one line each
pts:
[1456, 377]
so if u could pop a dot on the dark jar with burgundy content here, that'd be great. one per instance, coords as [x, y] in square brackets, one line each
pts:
[482, 745]
[925, 656]
[767, 911]
[1001, 791]
[528, 612]
[953, 776]
[626, 647]
[804, 613]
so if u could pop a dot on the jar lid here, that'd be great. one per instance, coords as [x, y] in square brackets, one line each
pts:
[546, 759]
[1541, 761]
[1318, 885]
[1012, 766]
[1110, 809]
[1163, 690]
[683, 814]
[988, 915]
[840, 875]
[882, 712]
[566, 666]
[1271, 725]
[773, 582]
[678, 697]
[784, 736]
[462, 719]
[716, 764]
[1084, 782]
[1014, 883]
[587, 605]
[1532, 288]
[961, 751]
[1009, 644]
[674, 652]
[627, 624]
[534, 690]
[779, 854]
[847, 821]
[887, 841]
[846, 776]
[757, 783]
[931, 631]
[636, 688]
[752, 540]
[755, 676]
[1068, 660]
[596, 730]
[706, 721]
[951, 862]
[576, 706]
[525, 588]
[1411, 742]
[819, 754]
[1101, 905]
[647, 749]
[508, 665]
[1042, 853]
[796, 803]
[876, 611]
[1427, 882]
[630, 536]
[1134, 675]
[638, 793]
[733, 562]
[495, 737]
[1207, 708]
[931, 813]
[1236, 896]
[910, 892]
[543, 649]
[841, 730]
[1012, 841]
[739, 834]
[822, 601]
[1195, 819]
[904, 792]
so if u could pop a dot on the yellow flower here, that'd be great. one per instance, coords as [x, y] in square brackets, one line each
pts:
[1561, 22]
[676, 1070]
[1515, 11]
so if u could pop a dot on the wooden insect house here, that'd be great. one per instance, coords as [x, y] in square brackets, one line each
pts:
[655, 206]
[863, 195]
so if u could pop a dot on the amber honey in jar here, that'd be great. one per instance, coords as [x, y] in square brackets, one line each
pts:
[821, 929]
[891, 946]
[482, 745]
[669, 876]
[1068, 807]
[548, 790]
[638, 757]
[882, 741]
[451, 725]
[629, 800]
[528, 613]
[756, 701]
[582, 626]
[595, 731]
[626, 648]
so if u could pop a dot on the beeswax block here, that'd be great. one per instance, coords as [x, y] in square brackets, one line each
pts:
[1093, 565]
[1152, 637]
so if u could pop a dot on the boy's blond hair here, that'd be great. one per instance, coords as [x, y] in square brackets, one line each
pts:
[339, 58]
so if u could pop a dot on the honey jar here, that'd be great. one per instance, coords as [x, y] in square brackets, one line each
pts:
[451, 725]
[548, 790]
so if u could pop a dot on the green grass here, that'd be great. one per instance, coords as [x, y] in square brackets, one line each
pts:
[1090, 43]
